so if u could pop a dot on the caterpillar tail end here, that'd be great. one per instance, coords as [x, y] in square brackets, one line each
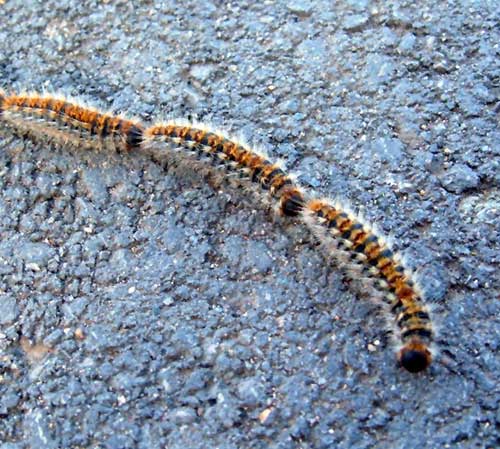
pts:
[415, 356]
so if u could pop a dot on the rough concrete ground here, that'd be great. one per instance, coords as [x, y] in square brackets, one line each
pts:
[146, 308]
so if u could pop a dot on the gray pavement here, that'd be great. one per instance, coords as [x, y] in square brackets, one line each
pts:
[144, 307]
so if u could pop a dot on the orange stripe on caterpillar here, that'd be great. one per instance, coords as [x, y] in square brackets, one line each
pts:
[199, 141]
[55, 118]
[356, 246]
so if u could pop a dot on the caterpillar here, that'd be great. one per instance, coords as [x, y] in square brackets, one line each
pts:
[355, 245]
[56, 118]
[352, 243]
[196, 141]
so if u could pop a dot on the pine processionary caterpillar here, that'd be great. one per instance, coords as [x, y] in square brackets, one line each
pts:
[352, 242]
[372, 262]
[55, 118]
[199, 142]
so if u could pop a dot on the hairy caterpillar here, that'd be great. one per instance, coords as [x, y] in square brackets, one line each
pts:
[55, 118]
[198, 141]
[353, 243]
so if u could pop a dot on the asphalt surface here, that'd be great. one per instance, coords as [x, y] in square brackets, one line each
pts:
[146, 307]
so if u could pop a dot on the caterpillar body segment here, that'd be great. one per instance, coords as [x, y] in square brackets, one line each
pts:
[56, 118]
[235, 157]
[358, 249]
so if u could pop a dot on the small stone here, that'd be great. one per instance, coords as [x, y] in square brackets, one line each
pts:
[183, 415]
[301, 430]
[33, 267]
[300, 8]
[201, 72]
[459, 178]
[251, 392]
[355, 22]
[289, 106]
[389, 150]
[168, 301]
[441, 67]
[8, 310]
[79, 334]
[35, 254]
[264, 415]
[53, 337]
[407, 43]
[8, 400]
[313, 51]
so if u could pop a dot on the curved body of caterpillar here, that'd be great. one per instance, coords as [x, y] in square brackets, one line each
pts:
[54, 118]
[200, 142]
[352, 242]
[356, 246]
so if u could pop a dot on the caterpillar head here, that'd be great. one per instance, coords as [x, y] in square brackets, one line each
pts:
[415, 356]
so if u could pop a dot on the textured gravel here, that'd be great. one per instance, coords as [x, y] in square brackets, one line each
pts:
[143, 307]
